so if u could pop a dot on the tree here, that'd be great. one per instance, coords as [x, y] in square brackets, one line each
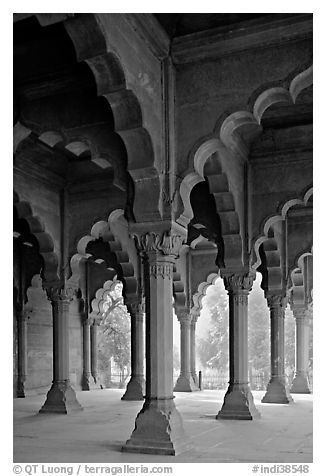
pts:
[213, 348]
[114, 341]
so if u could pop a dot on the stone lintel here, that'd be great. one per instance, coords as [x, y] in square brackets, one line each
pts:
[158, 430]
[253, 34]
[61, 398]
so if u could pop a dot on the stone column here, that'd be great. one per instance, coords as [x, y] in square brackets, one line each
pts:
[276, 388]
[22, 318]
[61, 397]
[238, 401]
[158, 426]
[300, 381]
[94, 355]
[185, 382]
[88, 380]
[136, 385]
[193, 349]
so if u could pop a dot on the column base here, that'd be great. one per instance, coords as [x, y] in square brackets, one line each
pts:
[185, 384]
[20, 392]
[88, 383]
[158, 430]
[276, 392]
[61, 398]
[195, 379]
[238, 404]
[300, 384]
[134, 390]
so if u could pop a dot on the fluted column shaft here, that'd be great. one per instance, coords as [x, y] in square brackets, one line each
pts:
[238, 401]
[276, 389]
[158, 428]
[300, 381]
[193, 349]
[185, 381]
[61, 398]
[136, 384]
[22, 353]
[88, 380]
[94, 355]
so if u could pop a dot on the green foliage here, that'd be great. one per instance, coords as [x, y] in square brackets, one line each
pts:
[213, 349]
[114, 341]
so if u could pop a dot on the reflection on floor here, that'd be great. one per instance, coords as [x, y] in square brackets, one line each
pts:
[282, 435]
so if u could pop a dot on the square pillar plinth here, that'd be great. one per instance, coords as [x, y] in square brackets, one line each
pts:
[277, 392]
[238, 404]
[61, 398]
[300, 383]
[158, 430]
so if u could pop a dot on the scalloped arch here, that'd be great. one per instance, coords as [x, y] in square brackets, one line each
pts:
[111, 83]
[201, 293]
[270, 222]
[228, 130]
[220, 188]
[227, 140]
[45, 241]
[106, 298]
[101, 229]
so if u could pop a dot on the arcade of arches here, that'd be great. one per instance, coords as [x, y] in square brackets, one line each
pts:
[153, 153]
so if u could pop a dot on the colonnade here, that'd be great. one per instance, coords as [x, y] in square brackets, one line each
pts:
[158, 427]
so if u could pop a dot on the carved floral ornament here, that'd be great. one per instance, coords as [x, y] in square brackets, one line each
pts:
[167, 242]
[277, 301]
[238, 283]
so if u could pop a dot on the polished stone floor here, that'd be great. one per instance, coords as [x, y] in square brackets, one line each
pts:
[95, 435]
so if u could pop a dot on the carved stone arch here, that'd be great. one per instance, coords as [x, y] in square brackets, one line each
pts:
[270, 266]
[230, 141]
[45, 242]
[179, 293]
[210, 162]
[125, 269]
[111, 83]
[201, 293]
[106, 298]
[299, 289]
[269, 222]
[238, 129]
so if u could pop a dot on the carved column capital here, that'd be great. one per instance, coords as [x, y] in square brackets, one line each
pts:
[239, 283]
[300, 313]
[184, 316]
[136, 309]
[194, 318]
[276, 301]
[165, 238]
[58, 293]
[88, 321]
